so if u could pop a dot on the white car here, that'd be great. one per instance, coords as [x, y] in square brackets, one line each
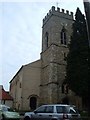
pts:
[53, 112]
[6, 113]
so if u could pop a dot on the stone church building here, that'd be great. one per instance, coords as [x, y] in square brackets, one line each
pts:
[42, 81]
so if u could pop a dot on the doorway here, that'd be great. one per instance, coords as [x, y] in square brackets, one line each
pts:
[33, 103]
[65, 100]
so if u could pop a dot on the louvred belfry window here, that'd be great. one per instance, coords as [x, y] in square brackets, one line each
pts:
[63, 36]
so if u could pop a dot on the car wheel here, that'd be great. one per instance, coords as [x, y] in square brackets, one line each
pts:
[27, 118]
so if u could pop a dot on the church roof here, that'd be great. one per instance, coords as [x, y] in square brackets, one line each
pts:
[4, 95]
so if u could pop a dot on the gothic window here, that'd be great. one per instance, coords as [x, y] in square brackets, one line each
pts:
[46, 39]
[63, 36]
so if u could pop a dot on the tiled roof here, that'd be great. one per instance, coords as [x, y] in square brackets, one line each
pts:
[4, 95]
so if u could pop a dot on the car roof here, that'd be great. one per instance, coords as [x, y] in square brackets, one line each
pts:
[4, 106]
[55, 105]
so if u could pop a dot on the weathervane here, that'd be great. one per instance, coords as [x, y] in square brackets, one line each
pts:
[57, 4]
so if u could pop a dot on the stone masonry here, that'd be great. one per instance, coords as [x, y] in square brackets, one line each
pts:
[53, 54]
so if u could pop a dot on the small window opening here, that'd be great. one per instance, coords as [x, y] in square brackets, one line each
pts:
[46, 39]
[65, 88]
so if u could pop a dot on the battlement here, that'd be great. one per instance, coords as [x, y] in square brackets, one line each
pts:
[58, 12]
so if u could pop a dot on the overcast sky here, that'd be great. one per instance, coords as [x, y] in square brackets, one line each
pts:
[21, 33]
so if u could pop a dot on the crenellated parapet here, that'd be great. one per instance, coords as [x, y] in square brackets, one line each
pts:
[58, 12]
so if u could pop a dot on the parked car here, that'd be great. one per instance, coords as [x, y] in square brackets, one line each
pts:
[53, 112]
[6, 113]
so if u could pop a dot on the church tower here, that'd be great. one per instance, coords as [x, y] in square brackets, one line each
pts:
[56, 33]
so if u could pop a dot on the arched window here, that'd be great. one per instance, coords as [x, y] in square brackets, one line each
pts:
[46, 39]
[63, 36]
